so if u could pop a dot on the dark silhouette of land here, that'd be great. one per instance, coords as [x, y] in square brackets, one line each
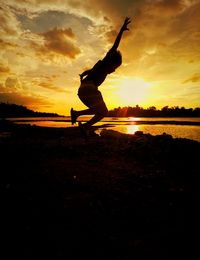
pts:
[116, 196]
[13, 110]
[152, 111]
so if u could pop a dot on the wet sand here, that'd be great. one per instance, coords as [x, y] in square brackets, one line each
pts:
[115, 196]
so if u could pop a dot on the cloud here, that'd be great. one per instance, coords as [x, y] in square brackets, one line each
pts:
[44, 35]
[60, 41]
[31, 101]
[10, 26]
[13, 84]
[194, 78]
[4, 69]
[58, 34]
[55, 43]
[97, 11]
[7, 45]
[44, 21]
[168, 7]
[12, 91]
[50, 86]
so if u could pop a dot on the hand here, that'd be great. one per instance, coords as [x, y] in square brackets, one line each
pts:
[81, 77]
[126, 22]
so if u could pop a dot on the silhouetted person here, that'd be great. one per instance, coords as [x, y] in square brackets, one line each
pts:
[90, 81]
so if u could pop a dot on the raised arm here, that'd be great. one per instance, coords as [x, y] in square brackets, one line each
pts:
[119, 36]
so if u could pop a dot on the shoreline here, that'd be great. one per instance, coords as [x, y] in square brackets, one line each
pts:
[115, 195]
[178, 129]
[128, 122]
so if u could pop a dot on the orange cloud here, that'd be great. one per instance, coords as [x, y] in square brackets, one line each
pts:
[164, 35]
[4, 44]
[49, 85]
[9, 24]
[194, 78]
[59, 33]
[111, 35]
[13, 84]
[30, 101]
[12, 91]
[4, 69]
[169, 7]
[59, 41]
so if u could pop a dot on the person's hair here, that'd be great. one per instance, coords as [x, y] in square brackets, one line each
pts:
[115, 58]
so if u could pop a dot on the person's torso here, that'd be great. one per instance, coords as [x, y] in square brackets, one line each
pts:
[97, 74]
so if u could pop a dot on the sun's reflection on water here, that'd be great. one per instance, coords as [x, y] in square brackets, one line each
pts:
[131, 129]
[133, 119]
[127, 129]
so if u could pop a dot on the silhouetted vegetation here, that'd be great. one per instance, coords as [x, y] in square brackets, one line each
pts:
[152, 111]
[13, 110]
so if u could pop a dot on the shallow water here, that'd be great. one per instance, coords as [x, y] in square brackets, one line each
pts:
[177, 127]
[177, 131]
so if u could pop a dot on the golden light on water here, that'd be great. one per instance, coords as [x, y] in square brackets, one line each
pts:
[131, 129]
[132, 119]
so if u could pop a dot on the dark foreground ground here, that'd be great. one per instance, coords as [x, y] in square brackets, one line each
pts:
[114, 196]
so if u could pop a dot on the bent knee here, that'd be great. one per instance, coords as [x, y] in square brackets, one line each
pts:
[103, 112]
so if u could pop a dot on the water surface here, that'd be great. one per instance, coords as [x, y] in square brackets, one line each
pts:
[177, 127]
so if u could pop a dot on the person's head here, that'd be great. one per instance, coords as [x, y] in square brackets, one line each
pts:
[114, 61]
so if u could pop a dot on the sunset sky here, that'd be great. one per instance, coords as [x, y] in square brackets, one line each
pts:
[46, 44]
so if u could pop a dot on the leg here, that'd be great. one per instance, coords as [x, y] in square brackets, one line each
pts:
[75, 114]
[100, 114]
[88, 111]
[86, 128]
[97, 106]
[99, 109]
[96, 118]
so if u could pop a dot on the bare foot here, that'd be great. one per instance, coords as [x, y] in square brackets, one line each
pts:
[73, 116]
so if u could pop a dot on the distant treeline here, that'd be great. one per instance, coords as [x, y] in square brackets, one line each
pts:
[166, 111]
[13, 110]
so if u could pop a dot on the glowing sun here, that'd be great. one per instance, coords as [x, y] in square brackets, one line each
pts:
[132, 91]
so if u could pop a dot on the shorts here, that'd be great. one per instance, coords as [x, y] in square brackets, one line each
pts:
[92, 98]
